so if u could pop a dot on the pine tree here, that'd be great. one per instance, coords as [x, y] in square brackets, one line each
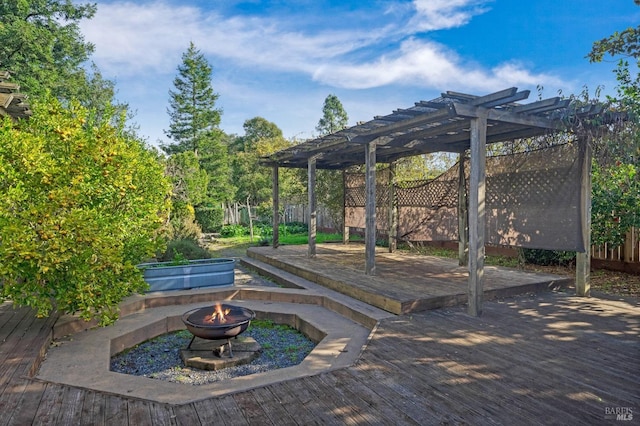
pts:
[194, 123]
[194, 117]
[334, 117]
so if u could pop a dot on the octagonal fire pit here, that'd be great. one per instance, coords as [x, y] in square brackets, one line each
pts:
[218, 322]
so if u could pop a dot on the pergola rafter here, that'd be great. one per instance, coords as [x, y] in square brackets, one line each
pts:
[454, 122]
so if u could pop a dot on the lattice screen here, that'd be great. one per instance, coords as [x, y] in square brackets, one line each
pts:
[532, 200]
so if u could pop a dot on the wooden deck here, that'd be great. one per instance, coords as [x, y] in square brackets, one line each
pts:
[546, 359]
[403, 282]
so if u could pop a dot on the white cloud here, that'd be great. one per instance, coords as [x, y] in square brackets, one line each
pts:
[430, 65]
[134, 39]
[441, 14]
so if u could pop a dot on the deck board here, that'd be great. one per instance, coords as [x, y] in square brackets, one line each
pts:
[404, 282]
[550, 358]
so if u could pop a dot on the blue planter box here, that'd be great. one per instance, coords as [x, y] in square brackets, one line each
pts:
[198, 273]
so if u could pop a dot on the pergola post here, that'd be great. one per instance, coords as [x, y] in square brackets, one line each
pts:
[370, 209]
[393, 209]
[477, 214]
[463, 213]
[345, 227]
[276, 207]
[311, 182]
[583, 259]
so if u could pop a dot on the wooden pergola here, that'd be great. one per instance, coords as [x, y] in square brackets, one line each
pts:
[454, 122]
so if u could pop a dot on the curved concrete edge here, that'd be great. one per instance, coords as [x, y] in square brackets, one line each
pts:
[83, 359]
[346, 306]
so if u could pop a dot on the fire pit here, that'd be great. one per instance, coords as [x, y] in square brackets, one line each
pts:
[218, 322]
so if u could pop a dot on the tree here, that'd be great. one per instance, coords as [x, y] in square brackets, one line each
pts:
[41, 44]
[194, 124]
[329, 187]
[253, 182]
[189, 180]
[81, 203]
[192, 111]
[261, 138]
[334, 117]
[616, 168]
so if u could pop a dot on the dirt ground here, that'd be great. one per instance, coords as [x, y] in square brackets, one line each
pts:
[602, 280]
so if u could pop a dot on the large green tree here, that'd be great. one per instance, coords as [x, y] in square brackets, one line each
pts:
[616, 167]
[192, 108]
[81, 203]
[334, 117]
[195, 124]
[41, 44]
[253, 182]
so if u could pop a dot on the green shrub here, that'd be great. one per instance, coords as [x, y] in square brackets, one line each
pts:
[294, 228]
[548, 257]
[210, 218]
[185, 248]
[183, 223]
[81, 203]
[229, 231]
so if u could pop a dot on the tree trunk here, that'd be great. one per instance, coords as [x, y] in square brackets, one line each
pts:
[250, 220]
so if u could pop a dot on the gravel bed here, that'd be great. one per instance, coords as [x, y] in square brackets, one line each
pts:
[159, 358]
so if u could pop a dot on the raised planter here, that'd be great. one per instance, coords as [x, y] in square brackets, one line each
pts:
[197, 273]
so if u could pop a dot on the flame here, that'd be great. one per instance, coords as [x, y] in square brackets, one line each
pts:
[218, 315]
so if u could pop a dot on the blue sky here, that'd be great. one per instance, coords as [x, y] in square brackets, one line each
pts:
[280, 59]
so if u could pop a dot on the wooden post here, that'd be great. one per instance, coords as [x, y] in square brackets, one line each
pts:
[463, 214]
[628, 246]
[393, 209]
[345, 228]
[276, 207]
[311, 182]
[370, 209]
[583, 259]
[477, 214]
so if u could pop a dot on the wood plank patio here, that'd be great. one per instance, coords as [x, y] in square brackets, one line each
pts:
[550, 358]
[403, 282]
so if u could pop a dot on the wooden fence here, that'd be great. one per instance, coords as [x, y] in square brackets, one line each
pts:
[625, 257]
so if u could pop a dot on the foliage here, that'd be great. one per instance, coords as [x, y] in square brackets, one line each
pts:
[228, 231]
[183, 249]
[425, 166]
[194, 125]
[192, 105]
[334, 117]
[329, 185]
[254, 182]
[189, 180]
[214, 160]
[615, 206]
[44, 49]
[625, 43]
[210, 219]
[81, 203]
[183, 222]
[548, 257]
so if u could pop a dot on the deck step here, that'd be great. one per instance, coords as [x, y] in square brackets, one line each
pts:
[343, 304]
